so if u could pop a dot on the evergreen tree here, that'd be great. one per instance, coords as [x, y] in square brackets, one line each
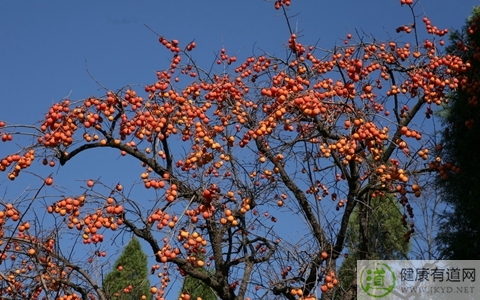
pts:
[385, 232]
[459, 236]
[196, 288]
[130, 270]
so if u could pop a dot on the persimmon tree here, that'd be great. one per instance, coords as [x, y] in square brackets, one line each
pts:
[255, 166]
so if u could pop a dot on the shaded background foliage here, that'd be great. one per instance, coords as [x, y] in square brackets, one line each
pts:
[130, 270]
[459, 236]
[386, 238]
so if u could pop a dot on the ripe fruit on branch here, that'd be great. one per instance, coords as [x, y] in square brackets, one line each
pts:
[49, 180]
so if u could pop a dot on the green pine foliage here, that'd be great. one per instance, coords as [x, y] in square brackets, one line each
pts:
[459, 236]
[385, 230]
[133, 272]
[197, 288]
[385, 238]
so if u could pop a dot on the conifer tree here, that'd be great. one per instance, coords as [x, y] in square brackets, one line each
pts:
[385, 235]
[459, 236]
[128, 279]
[196, 288]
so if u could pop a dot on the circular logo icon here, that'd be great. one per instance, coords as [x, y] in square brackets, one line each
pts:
[377, 280]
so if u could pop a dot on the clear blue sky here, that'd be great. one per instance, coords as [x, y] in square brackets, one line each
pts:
[45, 44]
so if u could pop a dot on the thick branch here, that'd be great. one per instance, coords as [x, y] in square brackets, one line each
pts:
[77, 288]
[363, 250]
[353, 189]
[403, 122]
[183, 189]
[247, 272]
[311, 280]
[223, 290]
[146, 235]
[221, 268]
